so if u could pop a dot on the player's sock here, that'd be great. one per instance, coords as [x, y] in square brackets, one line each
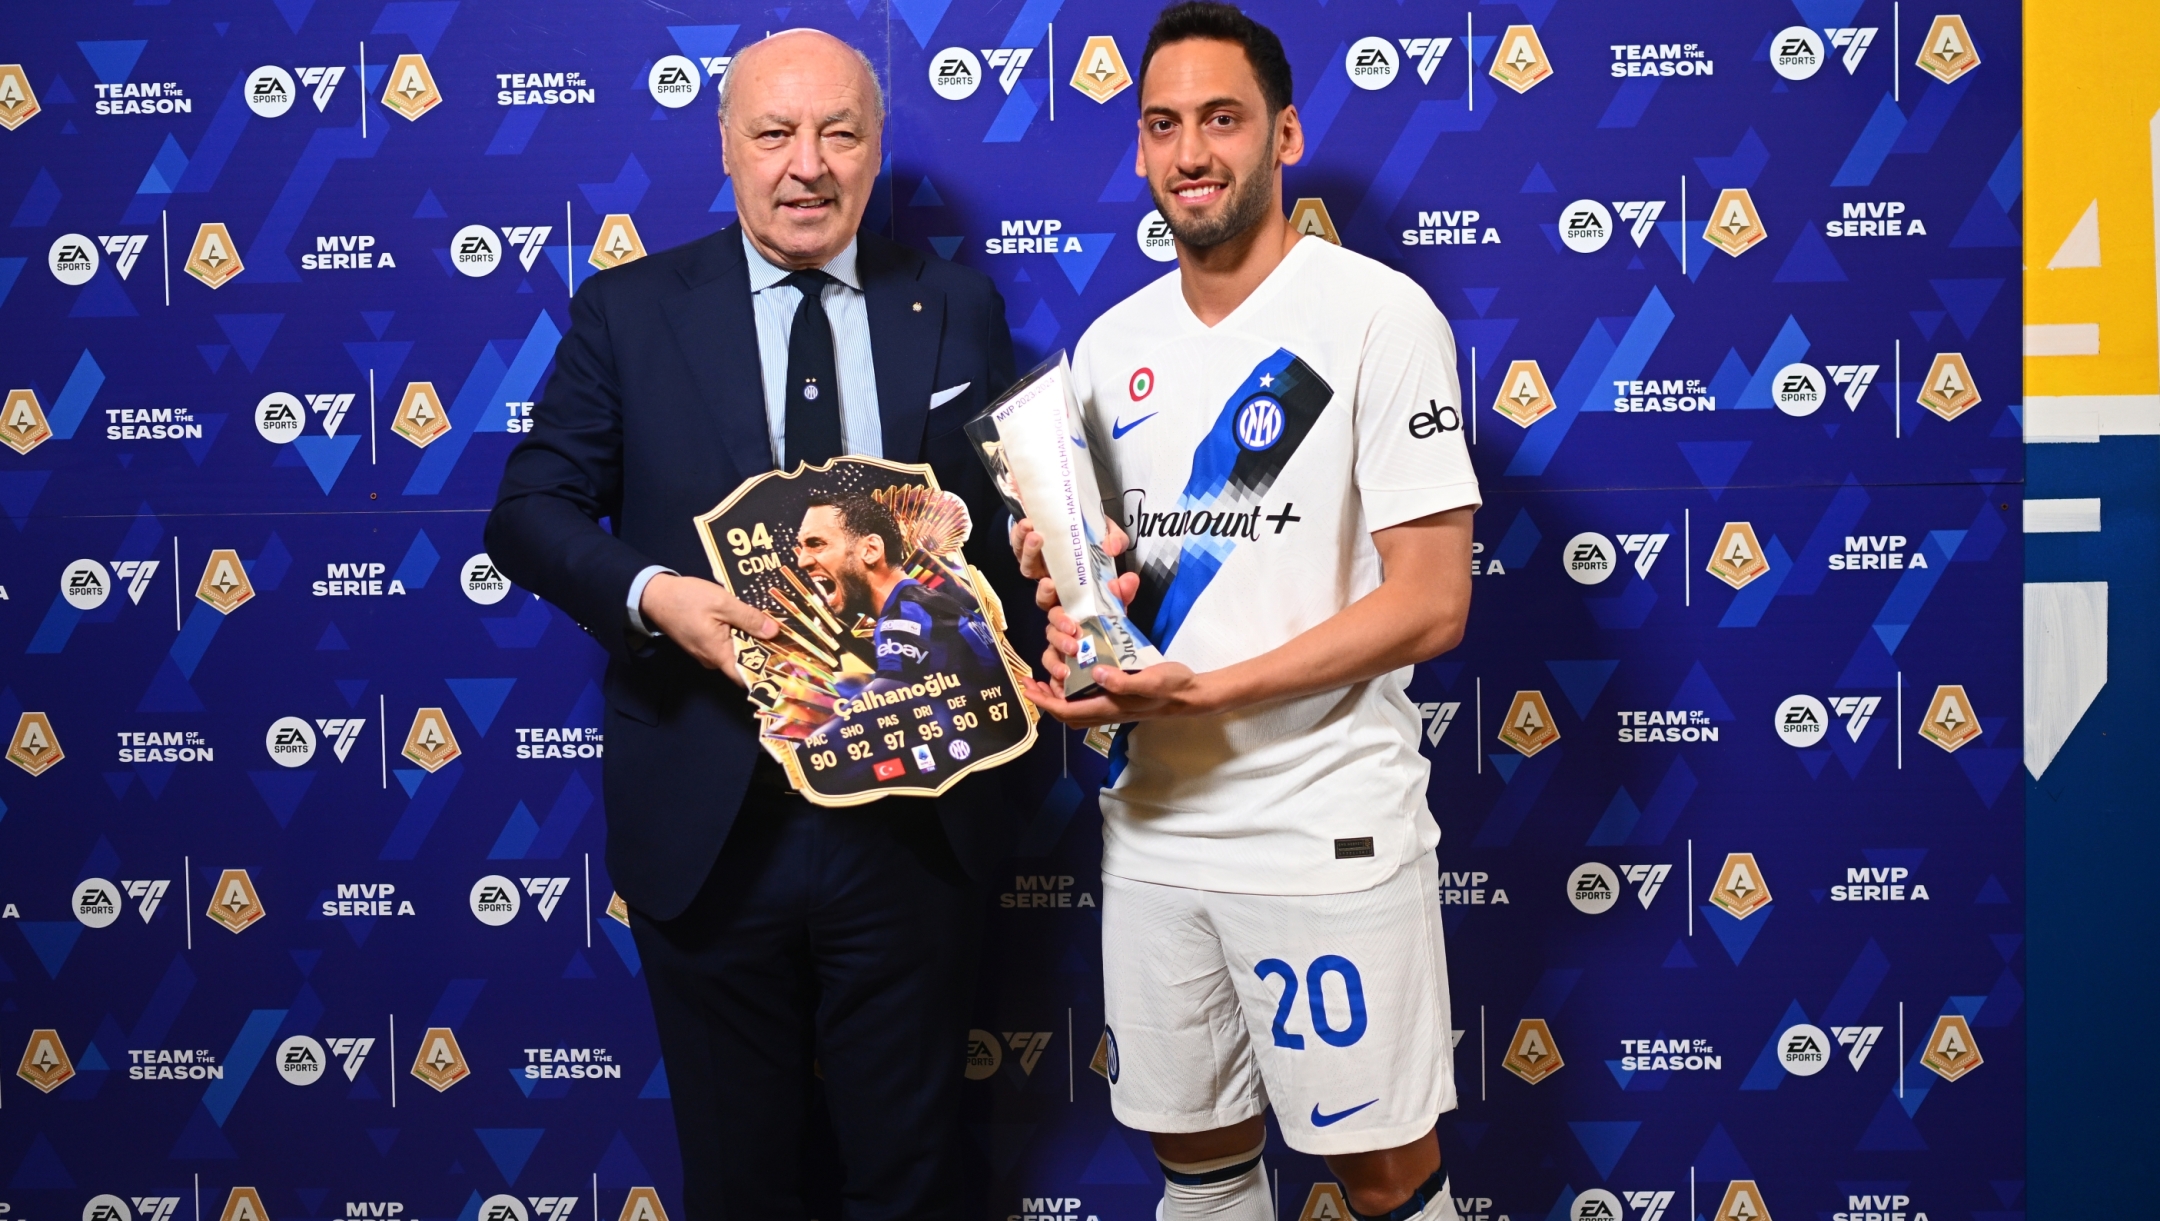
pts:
[1233, 1188]
[1430, 1202]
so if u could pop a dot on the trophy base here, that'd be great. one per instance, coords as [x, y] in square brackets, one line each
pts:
[1104, 642]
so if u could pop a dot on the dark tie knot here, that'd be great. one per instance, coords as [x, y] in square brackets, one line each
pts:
[809, 283]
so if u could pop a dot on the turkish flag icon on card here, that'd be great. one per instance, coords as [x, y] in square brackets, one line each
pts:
[889, 769]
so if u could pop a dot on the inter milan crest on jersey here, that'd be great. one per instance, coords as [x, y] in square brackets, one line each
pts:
[1260, 426]
[891, 673]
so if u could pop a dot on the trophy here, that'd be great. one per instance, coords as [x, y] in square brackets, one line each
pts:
[1035, 445]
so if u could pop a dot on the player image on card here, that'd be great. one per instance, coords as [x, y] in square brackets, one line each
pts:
[891, 673]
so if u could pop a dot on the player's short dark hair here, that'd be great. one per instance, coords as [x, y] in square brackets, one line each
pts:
[1224, 23]
[860, 515]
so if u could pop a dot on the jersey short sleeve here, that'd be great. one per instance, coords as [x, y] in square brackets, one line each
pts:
[1411, 457]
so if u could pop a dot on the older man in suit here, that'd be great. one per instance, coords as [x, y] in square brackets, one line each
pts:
[789, 949]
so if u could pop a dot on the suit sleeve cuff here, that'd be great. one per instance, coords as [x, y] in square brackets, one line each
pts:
[637, 594]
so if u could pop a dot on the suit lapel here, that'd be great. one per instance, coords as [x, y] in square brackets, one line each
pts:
[716, 327]
[906, 319]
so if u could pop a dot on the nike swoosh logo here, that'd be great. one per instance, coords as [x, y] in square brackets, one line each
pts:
[1320, 1120]
[1118, 429]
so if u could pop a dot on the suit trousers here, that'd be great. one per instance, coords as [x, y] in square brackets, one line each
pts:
[826, 966]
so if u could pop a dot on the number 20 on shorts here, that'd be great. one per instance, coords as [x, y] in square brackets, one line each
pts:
[1315, 999]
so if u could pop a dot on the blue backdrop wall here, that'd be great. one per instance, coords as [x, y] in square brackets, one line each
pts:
[277, 728]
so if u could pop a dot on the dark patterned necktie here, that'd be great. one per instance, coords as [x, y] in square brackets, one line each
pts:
[813, 388]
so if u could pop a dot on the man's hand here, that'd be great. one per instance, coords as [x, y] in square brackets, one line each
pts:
[1027, 545]
[1164, 690]
[697, 614]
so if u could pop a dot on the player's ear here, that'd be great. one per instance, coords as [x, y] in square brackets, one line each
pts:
[1289, 136]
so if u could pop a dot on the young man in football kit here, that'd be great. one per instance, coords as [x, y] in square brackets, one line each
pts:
[1279, 431]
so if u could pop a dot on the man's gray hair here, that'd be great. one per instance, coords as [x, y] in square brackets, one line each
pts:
[877, 87]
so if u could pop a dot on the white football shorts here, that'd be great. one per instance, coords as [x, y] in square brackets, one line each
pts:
[1334, 1008]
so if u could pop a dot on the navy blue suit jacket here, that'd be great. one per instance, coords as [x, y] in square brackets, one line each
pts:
[655, 412]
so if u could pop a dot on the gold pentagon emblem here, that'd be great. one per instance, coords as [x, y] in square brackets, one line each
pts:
[1743, 1202]
[244, 1204]
[1101, 73]
[1738, 557]
[1950, 722]
[440, 1062]
[18, 101]
[233, 902]
[411, 89]
[1951, 1050]
[1949, 391]
[1740, 888]
[643, 1204]
[618, 243]
[430, 743]
[1529, 725]
[45, 1062]
[1310, 215]
[224, 582]
[1099, 1063]
[22, 422]
[1325, 1203]
[618, 911]
[35, 747]
[214, 259]
[1532, 1054]
[1734, 226]
[420, 415]
[1521, 62]
[1948, 52]
[1524, 397]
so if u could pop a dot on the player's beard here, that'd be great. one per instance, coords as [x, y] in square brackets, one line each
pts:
[855, 595]
[1250, 198]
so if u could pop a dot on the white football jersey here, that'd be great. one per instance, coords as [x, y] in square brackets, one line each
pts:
[1250, 462]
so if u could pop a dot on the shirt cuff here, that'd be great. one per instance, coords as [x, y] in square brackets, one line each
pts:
[637, 593]
[1386, 507]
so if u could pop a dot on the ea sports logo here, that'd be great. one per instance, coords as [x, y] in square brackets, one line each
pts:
[85, 584]
[1259, 423]
[955, 74]
[984, 1055]
[1802, 720]
[73, 259]
[476, 250]
[1155, 238]
[1589, 558]
[484, 583]
[96, 902]
[1593, 888]
[674, 81]
[1798, 389]
[1585, 226]
[300, 1060]
[290, 741]
[1596, 1204]
[1372, 63]
[279, 418]
[1796, 52]
[495, 900]
[1803, 1050]
[503, 1208]
[270, 91]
